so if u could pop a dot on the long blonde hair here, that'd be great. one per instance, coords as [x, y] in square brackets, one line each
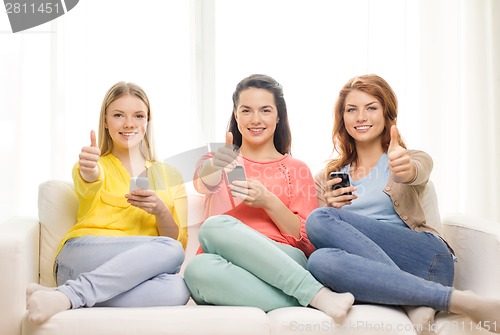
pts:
[116, 91]
[343, 144]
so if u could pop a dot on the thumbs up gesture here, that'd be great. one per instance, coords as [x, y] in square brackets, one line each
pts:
[223, 160]
[400, 163]
[225, 157]
[88, 159]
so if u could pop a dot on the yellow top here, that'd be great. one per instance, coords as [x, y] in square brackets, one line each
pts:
[104, 210]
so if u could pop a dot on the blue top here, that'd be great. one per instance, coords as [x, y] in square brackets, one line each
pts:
[372, 201]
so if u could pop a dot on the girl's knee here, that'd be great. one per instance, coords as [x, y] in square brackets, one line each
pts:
[201, 274]
[317, 219]
[173, 248]
[180, 293]
[223, 231]
[198, 269]
[322, 261]
[320, 214]
[312, 224]
[214, 226]
[314, 263]
[218, 221]
[163, 290]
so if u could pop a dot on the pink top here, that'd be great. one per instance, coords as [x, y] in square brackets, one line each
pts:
[288, 178]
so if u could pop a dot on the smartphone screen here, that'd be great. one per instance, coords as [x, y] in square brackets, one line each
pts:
[139, 183]
[237, 174]
[344, 183]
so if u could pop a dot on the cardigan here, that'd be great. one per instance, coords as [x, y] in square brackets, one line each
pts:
[406, 197]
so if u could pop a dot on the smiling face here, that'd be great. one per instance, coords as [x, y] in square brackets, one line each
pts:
[257, 116]
[363, 117]
[126, 122]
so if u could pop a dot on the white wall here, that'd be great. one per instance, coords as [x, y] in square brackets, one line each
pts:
[460, 99]
[440, 56]
[312, 50]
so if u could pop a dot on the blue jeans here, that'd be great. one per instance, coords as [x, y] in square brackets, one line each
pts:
[379, 262]
[135, 271]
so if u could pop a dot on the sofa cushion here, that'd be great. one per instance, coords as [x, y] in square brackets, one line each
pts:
[431, 207]
[179, 320]
[361, 319]
[57, 207]
[477, 246]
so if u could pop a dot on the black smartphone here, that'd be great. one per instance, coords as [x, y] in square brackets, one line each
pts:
[237, 174]
[344, 183]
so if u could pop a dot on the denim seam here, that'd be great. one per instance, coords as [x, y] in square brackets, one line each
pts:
[358, 234]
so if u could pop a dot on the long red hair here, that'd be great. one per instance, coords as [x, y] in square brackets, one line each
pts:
[343, 144]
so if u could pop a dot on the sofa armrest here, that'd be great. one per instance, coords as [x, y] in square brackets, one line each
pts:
[19, 240]
[477, 246]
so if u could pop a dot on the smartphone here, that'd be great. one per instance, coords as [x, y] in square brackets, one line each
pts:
[139, 183]
[344, 183]
[237, 174]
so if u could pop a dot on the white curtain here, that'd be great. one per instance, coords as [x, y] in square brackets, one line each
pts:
[55, 76]
[440, 56]
[461, 103]
[25, 119]
[312, 48]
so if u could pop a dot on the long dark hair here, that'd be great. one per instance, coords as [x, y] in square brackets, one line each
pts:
[282, 135]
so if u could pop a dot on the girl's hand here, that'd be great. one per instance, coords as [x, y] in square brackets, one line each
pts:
[148, 201]
[400, 163]
[252, 192]
[225, 157]
[338, 197]
[151, 203]
[88, 159]
[224, 160]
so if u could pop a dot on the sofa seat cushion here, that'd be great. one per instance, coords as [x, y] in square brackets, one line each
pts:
[179, 320]
[453, 324]
[361, 319]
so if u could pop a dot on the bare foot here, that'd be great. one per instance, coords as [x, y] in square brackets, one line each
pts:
[335, 305]
[422, 318]
[43, 304]
[483, 311]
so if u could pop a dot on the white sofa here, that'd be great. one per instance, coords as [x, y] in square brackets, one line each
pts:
[27, 247]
